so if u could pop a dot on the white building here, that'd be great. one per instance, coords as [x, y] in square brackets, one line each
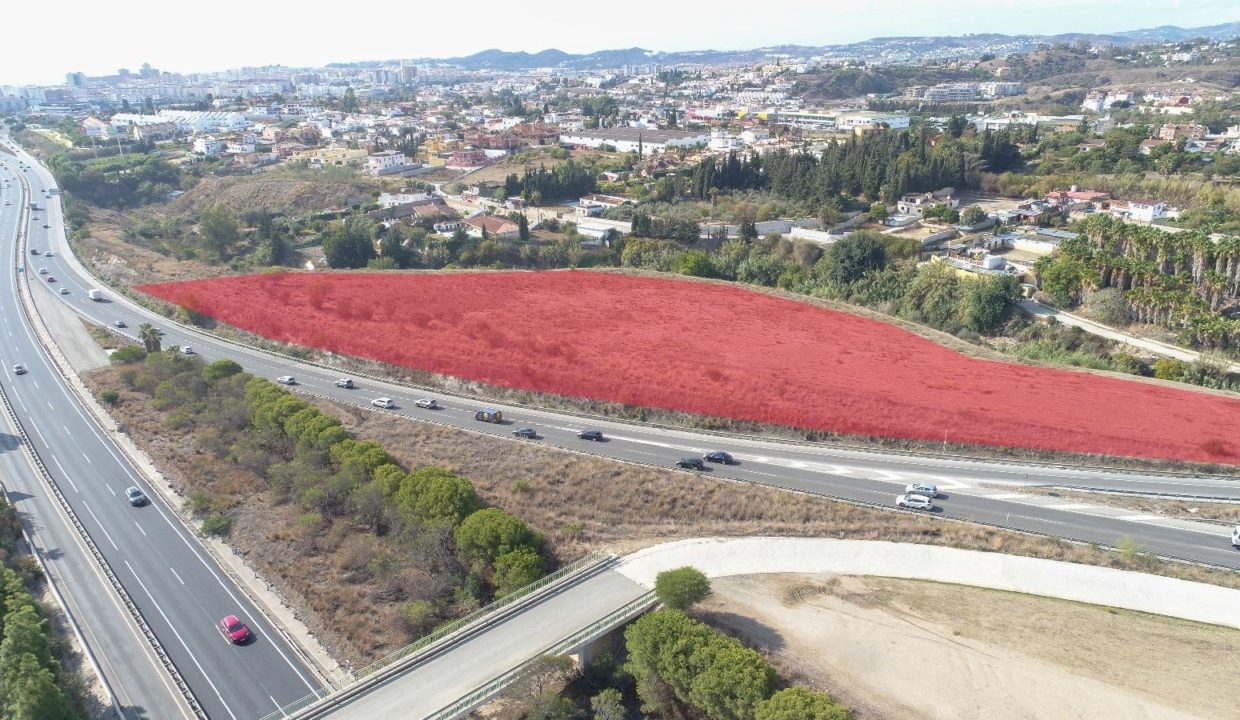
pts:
[871, 119]
[755, 135]
[627, 139]
[208, 146]
[1146, 211]
[386, 162]
[723, 141]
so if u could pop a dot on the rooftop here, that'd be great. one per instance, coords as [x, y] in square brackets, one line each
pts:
[632, 134]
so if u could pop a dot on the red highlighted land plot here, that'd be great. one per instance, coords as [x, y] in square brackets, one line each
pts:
[716, 350]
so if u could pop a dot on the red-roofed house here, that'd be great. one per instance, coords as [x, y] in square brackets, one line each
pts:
[496, 227]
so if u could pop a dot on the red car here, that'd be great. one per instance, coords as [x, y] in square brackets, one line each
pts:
[234, 630]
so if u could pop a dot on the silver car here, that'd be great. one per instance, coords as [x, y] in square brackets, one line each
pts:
[914, 502]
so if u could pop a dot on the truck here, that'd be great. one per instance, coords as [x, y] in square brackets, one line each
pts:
[95, 294]
[490, 415]
[34, 205]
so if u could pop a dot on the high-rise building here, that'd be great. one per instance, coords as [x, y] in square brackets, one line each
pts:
[75, 79]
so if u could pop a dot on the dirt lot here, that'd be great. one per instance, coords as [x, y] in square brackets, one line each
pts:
[905, 650]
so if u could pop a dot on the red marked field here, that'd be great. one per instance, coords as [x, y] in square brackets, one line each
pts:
[714, 350]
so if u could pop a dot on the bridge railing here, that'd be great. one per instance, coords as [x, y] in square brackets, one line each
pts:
[596, 629]
[441, 633]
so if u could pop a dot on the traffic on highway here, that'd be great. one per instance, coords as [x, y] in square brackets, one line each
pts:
[233, 657]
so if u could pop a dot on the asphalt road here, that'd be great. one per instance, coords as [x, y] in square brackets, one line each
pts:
[177, 586]
[971, 490]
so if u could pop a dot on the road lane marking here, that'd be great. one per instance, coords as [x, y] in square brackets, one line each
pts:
[109, 487]
[181, 640]
[278, 706]
[1037, 519]
[101, 527]
[135, 522]
[92, 462]
[178, 577]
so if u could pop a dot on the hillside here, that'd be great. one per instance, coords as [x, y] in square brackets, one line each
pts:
[273, 192]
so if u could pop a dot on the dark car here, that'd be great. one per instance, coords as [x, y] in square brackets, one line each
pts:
[527, 433]
[595, 435]
[233, 630]
[721, 457]
[46, 226]
[691, 463]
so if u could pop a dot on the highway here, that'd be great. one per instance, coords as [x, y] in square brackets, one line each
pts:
[980, 491]
[175, 584]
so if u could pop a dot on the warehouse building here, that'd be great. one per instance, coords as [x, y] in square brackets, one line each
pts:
[630, 139]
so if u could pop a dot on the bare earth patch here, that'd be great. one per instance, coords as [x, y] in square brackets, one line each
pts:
[905, 649]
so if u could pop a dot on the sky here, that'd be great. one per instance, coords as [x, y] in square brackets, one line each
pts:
[97, 38]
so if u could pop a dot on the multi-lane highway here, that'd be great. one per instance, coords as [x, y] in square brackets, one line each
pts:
[178, 588]
[236, 681]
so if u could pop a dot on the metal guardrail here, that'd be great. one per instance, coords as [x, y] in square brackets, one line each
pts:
[440, 634]
[485, 692]
[157, 647]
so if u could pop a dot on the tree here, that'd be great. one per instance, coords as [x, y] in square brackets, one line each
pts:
[956, 125]
[516, 569]
[127, 354]
[349, 102]
[986, 302]
[1108, 306]
[219, 230]
[852, 257]
[219, 370]
[486, 534]
[694, 263]
[150, 337]
[733, 683]
[434, 495]
[972, 215]
[681, 588]
[30, 693]
[608, 705]
[523, 228]
[348, 244]
[798, 703]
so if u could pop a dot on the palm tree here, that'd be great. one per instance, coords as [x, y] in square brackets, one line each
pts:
[149, 335]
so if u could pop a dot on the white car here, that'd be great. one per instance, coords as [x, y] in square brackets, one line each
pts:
[64, 291]
[42, 271]
[286, 380]
[385, 403]
[19, 370]
[427, 404]
[1235, 536]
[930, 490]
[187, 349]
[914, 502]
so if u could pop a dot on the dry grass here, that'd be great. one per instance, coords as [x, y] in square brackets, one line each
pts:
[1184, 509]
[582, 502]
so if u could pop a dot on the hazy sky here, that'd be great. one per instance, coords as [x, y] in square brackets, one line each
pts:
[47, 39]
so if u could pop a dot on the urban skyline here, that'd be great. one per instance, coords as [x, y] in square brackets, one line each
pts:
[152, 34]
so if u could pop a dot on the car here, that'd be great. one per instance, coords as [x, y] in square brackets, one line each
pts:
[46, 226]
[47, 253]
[914, 502]
[385, 403]
[930, 490]
[427, 403]
[691, 463]
[51, 279]
[527, 433]
[19, 370]
[346, 383]
[286, 380]
[595, 435]
[42, 271]
[64, 290]
[720, 457]
[189, 350]
[34, 251]
[120, 324]
[233, 630]
[1235, 536]
[135, 496]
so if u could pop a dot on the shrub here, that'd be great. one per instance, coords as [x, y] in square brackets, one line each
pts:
[128, 354]
[681, 588]
[418, 616]
[217, 525]
[520, 486]
[109, 397]
[1170, 369]
[1108, 306]
[198, 502]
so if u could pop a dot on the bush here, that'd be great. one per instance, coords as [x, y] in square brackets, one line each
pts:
[109, 397]
[1170, 369]
[128, 354]
[198, 502]
[681, 588]
[217, 525]
[1108, 306]
[418, 616]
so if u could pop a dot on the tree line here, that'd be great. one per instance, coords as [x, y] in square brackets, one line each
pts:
[879, 166]
[118, 183]
[32, 680]
[309, 458]
[566, 180]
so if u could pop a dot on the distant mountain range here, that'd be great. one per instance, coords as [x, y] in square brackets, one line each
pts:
[892, 48]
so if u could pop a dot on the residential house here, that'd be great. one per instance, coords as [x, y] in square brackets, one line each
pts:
[917, 203]
[1146, 211]
[153, 132]
[94, 127]
[496, 228]
[466, 160]
[1191, 131]
[386, 162]
[208, 146]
